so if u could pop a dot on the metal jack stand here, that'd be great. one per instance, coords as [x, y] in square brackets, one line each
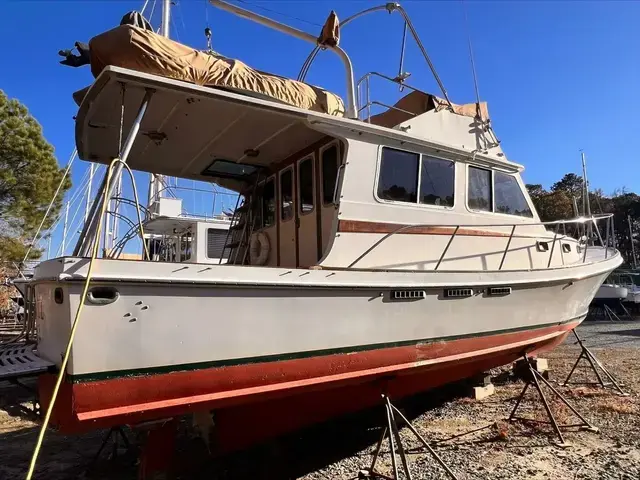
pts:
[116, 432]
[595, 364]
[394, 439]
[610, 314]
[532, 379]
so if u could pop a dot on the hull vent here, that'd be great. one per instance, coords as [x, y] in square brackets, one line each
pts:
[499, 291]
[458, 292]
[408, 294]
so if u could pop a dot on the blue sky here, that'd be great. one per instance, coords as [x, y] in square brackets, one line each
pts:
[558, 76]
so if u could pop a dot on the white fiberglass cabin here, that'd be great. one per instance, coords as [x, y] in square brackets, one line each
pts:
[172, 236]
[400, 246]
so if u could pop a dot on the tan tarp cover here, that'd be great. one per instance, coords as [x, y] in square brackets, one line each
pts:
[419, 102]
[137, 49]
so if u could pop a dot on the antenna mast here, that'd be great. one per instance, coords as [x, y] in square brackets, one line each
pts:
[156, 181]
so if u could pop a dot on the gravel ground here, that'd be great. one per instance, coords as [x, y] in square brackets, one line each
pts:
[339, 449]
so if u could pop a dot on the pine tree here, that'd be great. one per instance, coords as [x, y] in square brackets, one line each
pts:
[29, 176]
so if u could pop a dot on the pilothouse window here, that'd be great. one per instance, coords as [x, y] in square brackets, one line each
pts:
[436, 182]
[404, 174]
[398, 176]
[500, 193]
[509, 196]
[480, 189]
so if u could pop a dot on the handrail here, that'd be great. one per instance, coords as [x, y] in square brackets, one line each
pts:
[579, 221]
[389, 7]
[366, 79]
[294, 32]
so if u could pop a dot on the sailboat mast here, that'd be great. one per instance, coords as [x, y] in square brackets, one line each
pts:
[585, 197]
[633, 249]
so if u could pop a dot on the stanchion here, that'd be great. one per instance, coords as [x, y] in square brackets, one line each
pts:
[532, 379]
[395, 441]
[595, 364]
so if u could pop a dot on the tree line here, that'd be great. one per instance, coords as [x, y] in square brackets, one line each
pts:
[566, 199]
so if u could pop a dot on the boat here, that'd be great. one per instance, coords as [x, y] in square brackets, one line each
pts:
[369, 253]
[625, 281]
[611, 292]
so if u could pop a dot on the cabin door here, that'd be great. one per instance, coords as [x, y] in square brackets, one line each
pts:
[287, 219]
[307, 213]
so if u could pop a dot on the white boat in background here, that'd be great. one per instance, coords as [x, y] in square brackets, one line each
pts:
[624, 280]
[611, 291]
[391, 252]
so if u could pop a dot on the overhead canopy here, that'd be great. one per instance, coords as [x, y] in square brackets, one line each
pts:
[189, 131]
[145, 51]
[417, 102]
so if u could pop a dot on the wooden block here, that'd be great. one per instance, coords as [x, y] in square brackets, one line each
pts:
[480, 393]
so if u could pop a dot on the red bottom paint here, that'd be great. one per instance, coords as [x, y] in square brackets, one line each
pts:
[256, 401]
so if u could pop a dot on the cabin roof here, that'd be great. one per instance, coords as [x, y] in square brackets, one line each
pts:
[188, 127]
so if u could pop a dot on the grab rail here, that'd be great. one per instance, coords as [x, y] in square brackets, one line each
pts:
[588, 224]
[364, 97]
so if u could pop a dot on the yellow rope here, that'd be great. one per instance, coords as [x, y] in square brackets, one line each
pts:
[67, 354]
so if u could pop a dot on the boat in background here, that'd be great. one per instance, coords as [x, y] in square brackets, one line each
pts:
[369, 253]
[625, 280]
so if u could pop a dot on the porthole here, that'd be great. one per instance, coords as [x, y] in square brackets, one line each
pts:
[58, 296]
[542, 246]
[566, 248]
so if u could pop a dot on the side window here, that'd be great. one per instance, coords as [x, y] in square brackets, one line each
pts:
[216, 239]
[509, 196]
[398, 178]
[305, 185]
[286, 195]
[480, 189]
[269, 203]
[437, 182]
[329, 173]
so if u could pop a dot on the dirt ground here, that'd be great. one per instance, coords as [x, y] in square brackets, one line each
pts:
[340, 448]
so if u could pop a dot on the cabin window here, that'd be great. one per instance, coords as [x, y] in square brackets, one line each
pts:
[286, 195]
[269, 203]
[509, 196]
[330, 166]
[437, 182]
[305, 185]
[480, 189]
[216, 239]
[398, 178]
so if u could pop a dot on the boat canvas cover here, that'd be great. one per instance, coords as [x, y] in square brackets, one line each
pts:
[417, 103]
[143, 50]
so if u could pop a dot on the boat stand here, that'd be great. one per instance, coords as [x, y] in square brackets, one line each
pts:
[532, 378]
[597, 367]
[391, 428]
[610, 314]
[113, 435]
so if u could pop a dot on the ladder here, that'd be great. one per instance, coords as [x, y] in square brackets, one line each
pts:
[242, 225]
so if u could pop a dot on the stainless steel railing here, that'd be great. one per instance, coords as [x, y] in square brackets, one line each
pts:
[586, 229]
[364, 95]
